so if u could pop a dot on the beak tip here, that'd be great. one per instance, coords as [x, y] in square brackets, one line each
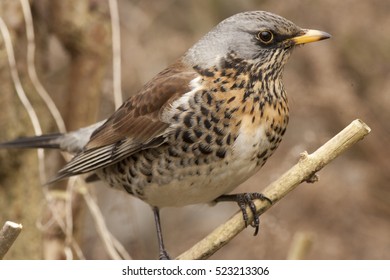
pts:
[311, 35]
[326, 35]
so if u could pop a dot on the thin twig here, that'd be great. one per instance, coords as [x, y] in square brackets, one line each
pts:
[65, 226]
[113, 247]
[32, 70]
[52, 198]
[116, 53]
[32, 116]
[8, 235]
[303, 171]
[22, 95]
[70, 188]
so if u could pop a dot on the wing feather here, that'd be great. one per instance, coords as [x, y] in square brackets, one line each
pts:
[136, 125]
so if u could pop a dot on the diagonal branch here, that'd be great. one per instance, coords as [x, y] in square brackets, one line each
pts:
[8, 235]
[304, 170]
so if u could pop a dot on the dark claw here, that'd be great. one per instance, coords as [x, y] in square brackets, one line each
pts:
[247, 199]
[256, 217]
[243, 200]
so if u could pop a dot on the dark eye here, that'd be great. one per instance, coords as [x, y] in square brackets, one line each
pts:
[265, 37]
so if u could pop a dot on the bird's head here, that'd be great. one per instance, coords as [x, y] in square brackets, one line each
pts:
[259, 37]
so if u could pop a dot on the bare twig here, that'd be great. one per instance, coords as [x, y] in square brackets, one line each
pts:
[116, 53]
[113, 247]
[66, 226]
[31, 67]
[64, 221]
[307, 166]
[22, 95]
[25, 101]
[8, 235]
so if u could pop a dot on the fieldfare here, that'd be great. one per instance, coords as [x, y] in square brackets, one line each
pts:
[200, 127]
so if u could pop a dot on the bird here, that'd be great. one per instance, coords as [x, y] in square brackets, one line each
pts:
[200, 127]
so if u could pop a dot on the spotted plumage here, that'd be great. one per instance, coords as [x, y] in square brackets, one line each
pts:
[200, 127]
[211, 130]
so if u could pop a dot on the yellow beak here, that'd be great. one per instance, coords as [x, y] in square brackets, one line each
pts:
[309, 36]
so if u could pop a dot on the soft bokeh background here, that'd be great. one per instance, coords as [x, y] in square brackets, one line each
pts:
[346, 215]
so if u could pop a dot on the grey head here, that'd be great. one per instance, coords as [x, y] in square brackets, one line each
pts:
[254, 36]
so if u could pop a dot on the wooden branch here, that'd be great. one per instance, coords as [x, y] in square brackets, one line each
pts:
[8, 235]
[304, 170]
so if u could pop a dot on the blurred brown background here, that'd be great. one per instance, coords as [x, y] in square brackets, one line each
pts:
[346, 214]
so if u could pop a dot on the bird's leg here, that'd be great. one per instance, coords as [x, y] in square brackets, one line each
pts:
[163, 255]
[244, 199]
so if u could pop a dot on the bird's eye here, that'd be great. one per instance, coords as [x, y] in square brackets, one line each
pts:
[265, 37]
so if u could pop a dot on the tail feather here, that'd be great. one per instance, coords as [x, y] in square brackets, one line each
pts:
[73, 142]
[65, 142]
[47, 141]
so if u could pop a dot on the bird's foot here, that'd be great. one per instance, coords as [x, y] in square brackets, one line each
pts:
[163, 255]
[243, 200]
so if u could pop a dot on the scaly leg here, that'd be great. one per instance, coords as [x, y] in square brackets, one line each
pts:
[163, 255]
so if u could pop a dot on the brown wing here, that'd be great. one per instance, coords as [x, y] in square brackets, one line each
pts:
[139, 117]
[135, 126]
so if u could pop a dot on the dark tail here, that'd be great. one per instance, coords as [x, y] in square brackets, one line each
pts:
[50, 141]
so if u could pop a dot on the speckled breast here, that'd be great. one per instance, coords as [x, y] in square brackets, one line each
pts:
[223, 131]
